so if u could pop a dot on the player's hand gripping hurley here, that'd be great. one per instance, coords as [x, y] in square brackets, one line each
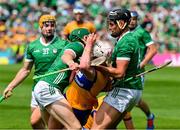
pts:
[95, 62]
[8, 94]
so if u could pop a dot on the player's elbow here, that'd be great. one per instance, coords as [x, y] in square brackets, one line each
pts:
[155, 49]
[27, 72]
[119, 76]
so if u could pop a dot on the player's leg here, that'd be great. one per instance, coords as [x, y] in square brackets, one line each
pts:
[128, 121]
[82, 115]
[54, 124]
[62, 112]
[146, 109]
[89, 122]
[106, 116]
[150, 116]
[53, 101]
[36, 120]
[114, 107]
[45, 115]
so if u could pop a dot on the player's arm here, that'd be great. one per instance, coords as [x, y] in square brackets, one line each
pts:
[20, 76]
[151, 51]
[117, 72]
[86, 56]
[85, 61]
[68, 57]
[123, 56]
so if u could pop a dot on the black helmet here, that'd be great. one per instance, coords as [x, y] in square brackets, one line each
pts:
[119, 14]
[134, 14]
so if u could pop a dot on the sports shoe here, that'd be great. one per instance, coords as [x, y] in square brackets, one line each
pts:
[150, 123]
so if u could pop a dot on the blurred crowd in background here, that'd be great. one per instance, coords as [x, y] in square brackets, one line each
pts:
[19, 20]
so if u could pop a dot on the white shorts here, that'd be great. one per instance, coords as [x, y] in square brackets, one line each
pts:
[34, 103]
[46, 94]
[123, 99]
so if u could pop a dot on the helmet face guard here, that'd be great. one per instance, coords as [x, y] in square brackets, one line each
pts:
[102, 48]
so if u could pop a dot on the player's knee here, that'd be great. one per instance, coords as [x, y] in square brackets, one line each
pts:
[37, 124]
[139, 104]
[33, 121]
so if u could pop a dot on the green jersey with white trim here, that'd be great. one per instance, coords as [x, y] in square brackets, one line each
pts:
[144, 40]
[61, 80]
[43, 55]
[127, 49]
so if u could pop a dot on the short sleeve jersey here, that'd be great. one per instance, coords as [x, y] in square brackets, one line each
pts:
[43, 55]
[127, 49]
[144, 40]
[61, 80]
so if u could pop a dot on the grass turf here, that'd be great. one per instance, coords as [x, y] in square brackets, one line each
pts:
[161, 93]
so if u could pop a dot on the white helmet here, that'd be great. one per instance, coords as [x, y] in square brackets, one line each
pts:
[102, 48]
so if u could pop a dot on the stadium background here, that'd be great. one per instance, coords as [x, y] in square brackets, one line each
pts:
[19, 26]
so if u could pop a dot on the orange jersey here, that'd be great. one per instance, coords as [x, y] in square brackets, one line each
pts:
[74, 25]
[82, 92]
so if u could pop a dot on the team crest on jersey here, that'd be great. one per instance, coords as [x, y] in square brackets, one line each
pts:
[54, 50]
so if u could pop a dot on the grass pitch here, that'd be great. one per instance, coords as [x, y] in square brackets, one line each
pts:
[161, 92]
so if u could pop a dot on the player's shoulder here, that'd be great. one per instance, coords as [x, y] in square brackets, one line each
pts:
[71, 23]
[34, 43]
[128, 40]
[89, 22]
[61, 40]
[76, 44]
[140, 29]
[128, 37]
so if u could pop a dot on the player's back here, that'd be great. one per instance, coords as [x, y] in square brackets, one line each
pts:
[82, 92]
[144, 39]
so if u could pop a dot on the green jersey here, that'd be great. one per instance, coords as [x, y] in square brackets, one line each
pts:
[43, 54]
[127, 49]
[144, 40]
[61, 80]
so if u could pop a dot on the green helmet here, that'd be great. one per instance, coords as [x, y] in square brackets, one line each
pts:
[78, 34]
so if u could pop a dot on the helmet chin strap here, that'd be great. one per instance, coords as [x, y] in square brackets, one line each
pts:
[121, 27]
